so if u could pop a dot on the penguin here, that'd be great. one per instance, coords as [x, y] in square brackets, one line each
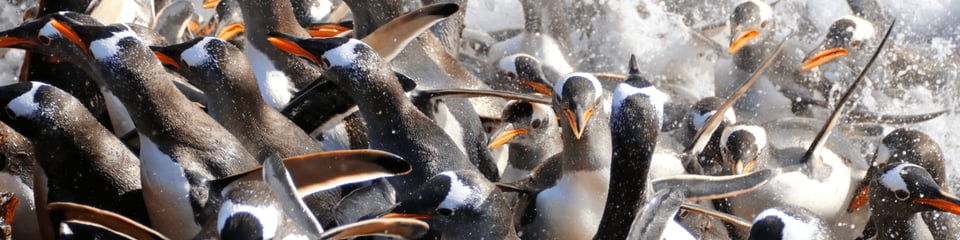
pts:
[536, 42]
[109, 224]
[521, 73]
[898, 192]
[178, 159]
[533, 135]
[266, 202]
[16, 177]
[741, 145]
[751, 31]
[911, 146]
[789, 223]
[848, 35]
[311, 12]
[394, 124]
[830, 163]
[460, 205]
[635, 122]
[656, 219]
[584, 164]
[79, 160]
[173, 21]
[227, 24]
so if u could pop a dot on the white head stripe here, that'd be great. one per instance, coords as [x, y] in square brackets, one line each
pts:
[625, 90]
[864, 29]
[26, 104]
[758, 133]
[107, 48]
[794, 228]
[343, 55]
[197, 54]
[49, 31]
[893, 179]
[460, 194]
[509, 63]
[597, 88]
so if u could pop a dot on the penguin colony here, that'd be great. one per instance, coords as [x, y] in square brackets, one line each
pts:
[311, 119]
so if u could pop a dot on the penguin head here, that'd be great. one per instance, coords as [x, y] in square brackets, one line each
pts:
[86, 42]
[788, 223]
[901, 188]
[701, 111]
[351, 62]
[905, 145]
[459, 204]
[209, 63]
[526, 71]
[27, 102]
[250, 210]
[637, 84]
[742, 144]
[751, 21]
[525, 121]
[849, 34]
[36, 35]
[577, 97]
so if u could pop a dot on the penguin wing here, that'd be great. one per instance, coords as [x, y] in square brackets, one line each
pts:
[112, 222]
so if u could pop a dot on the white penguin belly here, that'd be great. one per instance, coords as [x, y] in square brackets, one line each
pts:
[572, 209]
[166, 192]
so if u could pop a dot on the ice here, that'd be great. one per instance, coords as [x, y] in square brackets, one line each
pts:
[11, 15]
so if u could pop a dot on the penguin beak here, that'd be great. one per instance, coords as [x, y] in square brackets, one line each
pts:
[6, 42]
[505, 137]
[539, 87]
[230, 31]
[860, 199]
[408, 215]
[941, 200]
[286, 44]
[68, 32]
[578, 120]
[743, 168]
[210, 4]
[822, 57]
[742, 40]
[328, 30]
[167, 60]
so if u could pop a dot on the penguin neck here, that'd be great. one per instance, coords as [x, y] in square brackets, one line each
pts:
[531, 16]
[262, 17]
[749, 58]
[369, 15]
[527, 156]
[895, 225]
[592, 151]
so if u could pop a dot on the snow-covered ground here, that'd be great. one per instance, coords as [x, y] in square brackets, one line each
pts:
[655, 30]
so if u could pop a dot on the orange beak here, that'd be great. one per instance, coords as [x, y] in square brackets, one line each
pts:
[539, 87]
[742, 40]
[292, 48]
[11, 41]
[325, 31]
[578, 123]
[407, 215]
[70, 35]
[947, 202]
[505, 137]
[861, 199]
[822, 57]
[167, 60]
[210, 4]
[230, 31]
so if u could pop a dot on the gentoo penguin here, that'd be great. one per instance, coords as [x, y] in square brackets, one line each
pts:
[227, 24]
[460, 205]
[848, 35]
[751, 32]
[109, 224]
[532, 133]
[80, 160]
[789, 223]
[741, 145]
[394, 124]
[173, 21]
[266, 202]
[911, 146]
[584, 163]
[824, 164]
[656, 218]
[181, 147]
[898, 192]
[635, 121]
[521, 73]
[16, 177]
[536, 42]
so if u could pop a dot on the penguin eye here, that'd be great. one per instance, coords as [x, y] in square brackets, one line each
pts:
[324, 63]
[9, 112]
[901, 195]
[763, 24]
[536, 123]
[855, 43]
[43, 40]
[444, 211]
[510, 75]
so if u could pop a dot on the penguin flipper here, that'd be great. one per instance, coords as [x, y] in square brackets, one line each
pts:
[402, 228]
[276, 175]
[365, 201]
[701, 187]
[115, 223]
[544, 176]
[391, 38]
[652, 221]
